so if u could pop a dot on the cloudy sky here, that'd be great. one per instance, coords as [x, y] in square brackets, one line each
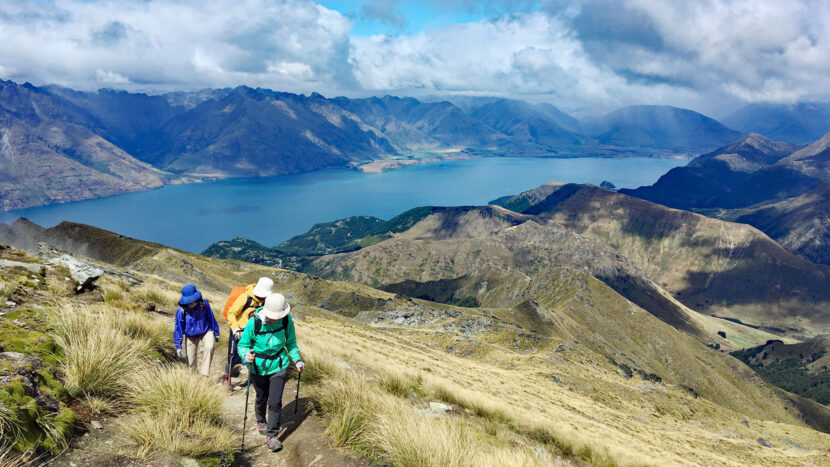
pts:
[713, 56]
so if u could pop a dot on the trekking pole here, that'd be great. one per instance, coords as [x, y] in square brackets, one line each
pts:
[230, 360]
[245, 419]
[296, 405]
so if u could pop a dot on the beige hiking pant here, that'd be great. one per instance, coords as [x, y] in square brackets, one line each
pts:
[192, 348]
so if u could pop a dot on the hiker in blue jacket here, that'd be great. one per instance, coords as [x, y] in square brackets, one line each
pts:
[193, 325]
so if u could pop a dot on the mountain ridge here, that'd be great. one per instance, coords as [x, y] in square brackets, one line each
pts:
[244, 132]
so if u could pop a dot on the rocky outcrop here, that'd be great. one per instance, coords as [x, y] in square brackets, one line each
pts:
[82, 272]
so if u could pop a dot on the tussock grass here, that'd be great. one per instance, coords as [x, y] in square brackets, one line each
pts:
[406, 438]
[98, 359]
[10, 458]
[349, 402]
[155, 332]
[177, 412]
[113, 297]
[6, 290]
[379, 423]
[320, 364]
[56, 432]
[173, 434]
[479, 404]
[397, 383]
[9, 423]
[100, 404]
[157, 298]
[159, 390]
[57, 288]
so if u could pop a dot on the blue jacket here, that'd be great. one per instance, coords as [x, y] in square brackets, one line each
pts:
[194, 323]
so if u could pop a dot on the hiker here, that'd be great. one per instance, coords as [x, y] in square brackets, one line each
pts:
[240, 311]
[193, 325]
[267, 342]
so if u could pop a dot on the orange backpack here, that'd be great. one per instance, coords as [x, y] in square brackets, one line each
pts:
[235, 292]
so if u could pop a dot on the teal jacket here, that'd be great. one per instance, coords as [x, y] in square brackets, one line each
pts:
[268, 343]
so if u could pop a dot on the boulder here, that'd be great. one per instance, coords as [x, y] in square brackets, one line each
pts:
[82, 272]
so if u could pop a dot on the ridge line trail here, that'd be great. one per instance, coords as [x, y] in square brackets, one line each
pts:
[303, 436]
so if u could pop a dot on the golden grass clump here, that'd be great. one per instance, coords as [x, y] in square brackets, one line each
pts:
[6, 290]
[171, 433]
[98, 358]
[320, 365]
[177, 412]
[155, 298]
[397, 383]
[159, 390]
[11, 458]
[378, 422]
[156, 333]
[351, 403]
[406, 438]
[9, 423]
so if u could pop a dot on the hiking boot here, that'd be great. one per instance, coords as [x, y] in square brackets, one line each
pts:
[262, 427]
[273, 443]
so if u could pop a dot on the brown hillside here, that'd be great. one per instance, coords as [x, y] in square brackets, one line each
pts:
[715, 267]
[572, 364]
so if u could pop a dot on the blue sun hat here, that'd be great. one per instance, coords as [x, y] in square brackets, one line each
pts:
[189, 294]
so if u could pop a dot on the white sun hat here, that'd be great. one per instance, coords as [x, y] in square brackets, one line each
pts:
[263, 287]
[275, 308]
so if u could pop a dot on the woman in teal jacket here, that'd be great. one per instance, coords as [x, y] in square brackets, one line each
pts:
[266, 344]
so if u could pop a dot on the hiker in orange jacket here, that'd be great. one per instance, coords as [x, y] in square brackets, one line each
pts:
[238, 313]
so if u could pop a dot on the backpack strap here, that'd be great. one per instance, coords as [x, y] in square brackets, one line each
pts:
[248, 305]
[283, 326]
[258, 331]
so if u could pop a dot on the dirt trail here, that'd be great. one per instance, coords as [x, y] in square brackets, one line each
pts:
[303, 438]
[305, 443]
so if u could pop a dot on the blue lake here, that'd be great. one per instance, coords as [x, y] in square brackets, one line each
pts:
[273, 209]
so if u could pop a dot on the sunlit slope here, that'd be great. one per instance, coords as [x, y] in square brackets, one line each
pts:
[575, 355]
[577, 398]
[502, 259]
[715, 267]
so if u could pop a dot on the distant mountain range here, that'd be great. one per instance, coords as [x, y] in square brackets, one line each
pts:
[62, 145]
[792, 123]
[776, 187]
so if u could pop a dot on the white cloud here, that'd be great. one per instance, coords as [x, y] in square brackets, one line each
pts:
[748, 49]
[175, 44]
[698, 53]
[110, 77]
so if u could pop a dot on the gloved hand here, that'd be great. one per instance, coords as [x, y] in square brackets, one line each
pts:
[250, 357]
[217, 337]
[237, 333]
[300, 365]
[179, 353]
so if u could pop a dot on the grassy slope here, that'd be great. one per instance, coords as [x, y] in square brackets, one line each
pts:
[715, 267]
[546, 366]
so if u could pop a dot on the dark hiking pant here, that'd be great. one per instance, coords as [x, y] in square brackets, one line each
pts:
[269, 394]
[232, 347]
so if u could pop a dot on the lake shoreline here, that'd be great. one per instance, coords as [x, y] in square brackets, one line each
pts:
[269, 210]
